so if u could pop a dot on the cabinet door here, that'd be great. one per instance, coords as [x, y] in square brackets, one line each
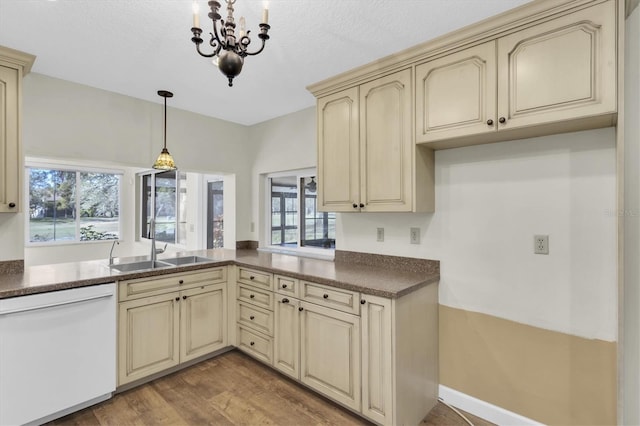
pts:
[148, 339]
[330, 353]
[338, 152]
[456, 94]
[286, 357]
[377, 371]
[9, 143]
[559, 70]
[386, 143]
[203, 321]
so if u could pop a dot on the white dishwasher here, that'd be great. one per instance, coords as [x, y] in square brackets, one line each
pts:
[57, 353]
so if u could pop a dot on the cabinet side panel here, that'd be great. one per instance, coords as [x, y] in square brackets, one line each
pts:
[416, 354]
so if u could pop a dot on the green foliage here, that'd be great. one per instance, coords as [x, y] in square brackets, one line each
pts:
[88, 233]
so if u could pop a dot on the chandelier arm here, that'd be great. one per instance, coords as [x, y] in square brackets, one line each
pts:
[217, 36]
[245, 53]
[207, 55]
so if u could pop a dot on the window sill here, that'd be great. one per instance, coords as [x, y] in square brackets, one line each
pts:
[322, 254]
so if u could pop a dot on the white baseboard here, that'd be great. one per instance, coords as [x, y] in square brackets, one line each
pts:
[483, 409]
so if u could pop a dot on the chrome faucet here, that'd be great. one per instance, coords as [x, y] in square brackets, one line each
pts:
[152, 232]
[111, 252]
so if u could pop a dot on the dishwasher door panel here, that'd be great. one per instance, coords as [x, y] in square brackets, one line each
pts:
[57, 351]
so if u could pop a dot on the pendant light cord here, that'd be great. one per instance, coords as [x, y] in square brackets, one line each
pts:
[165, 122]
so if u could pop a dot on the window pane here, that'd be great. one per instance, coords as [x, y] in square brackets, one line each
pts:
[52, 208]
[182, 212]
[276, 237]
[99, 206]
[165, 198]
[319, 227]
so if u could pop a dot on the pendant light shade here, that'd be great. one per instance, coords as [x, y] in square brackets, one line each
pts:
[165, 161]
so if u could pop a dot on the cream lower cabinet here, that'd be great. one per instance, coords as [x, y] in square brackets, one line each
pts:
[160, 331]
[558, 75]
[367, 160]
[330, 353]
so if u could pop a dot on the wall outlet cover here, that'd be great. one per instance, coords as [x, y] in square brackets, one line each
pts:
[380, 234]
[414, 235]
[541, 244]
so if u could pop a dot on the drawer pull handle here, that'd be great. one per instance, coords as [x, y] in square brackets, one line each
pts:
[489, 122]
[252, 343]
[184, 297]
[361, 205]
[252, 277]
[355, 206]
[251, 296]
[284, 286]
[177, 299]
[252, 317]
[181, 282]
[362, 302]
[300, 309]
[285, 300]
[502, 120]
[12, 205]
[326, 296]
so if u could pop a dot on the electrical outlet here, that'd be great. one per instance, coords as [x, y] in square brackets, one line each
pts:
[414, 235]
[380, 235]
[541, 244]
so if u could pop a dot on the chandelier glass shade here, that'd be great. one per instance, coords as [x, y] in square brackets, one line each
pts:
[165, 161]
[229, 48]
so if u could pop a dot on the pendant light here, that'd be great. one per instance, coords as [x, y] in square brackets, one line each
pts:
[165, 161]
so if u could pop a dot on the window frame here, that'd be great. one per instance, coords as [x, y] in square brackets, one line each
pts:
[41, 164]
[140, 212]
[265, 235]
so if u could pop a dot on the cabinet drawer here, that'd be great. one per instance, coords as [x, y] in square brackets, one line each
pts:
[255, 344]
[143, 287]
[256, 278]
[259, 319]
[255, 296]
[287, 286]
[342, 300]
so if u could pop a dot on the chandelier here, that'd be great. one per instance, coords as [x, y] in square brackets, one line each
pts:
[231, 50]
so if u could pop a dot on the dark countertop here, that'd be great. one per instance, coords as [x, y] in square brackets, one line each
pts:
[353, 271]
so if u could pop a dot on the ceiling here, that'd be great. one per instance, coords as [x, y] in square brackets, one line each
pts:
[136, 47]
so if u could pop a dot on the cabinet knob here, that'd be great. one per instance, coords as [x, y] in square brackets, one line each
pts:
[301, 309]
[285, 300]
[502, 120]
[12, 205]
[252, 343]
[177, 299]
[362, 302]
[284, 286]
[355, 206]
[251, 296]
[489, 122]
[326, 296]
[361, 205]
[252, 278]
[181, 282]
[184, 297]
[252, 317]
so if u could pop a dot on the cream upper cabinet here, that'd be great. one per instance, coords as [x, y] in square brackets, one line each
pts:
[456, 94]
[338, 151]
[558, 75]
[559, 70]
[386, 144]
[13, 66]
[367, 160]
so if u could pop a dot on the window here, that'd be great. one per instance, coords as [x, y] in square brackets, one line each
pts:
[73, 205]
[215, 214]
[295, 220]
[164, 197]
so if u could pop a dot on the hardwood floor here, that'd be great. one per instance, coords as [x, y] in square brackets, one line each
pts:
[231, 389]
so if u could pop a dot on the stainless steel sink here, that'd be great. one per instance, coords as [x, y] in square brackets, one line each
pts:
[140, 266]
[186, 260]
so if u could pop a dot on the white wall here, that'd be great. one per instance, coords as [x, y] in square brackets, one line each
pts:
[64, 120]
[490, 202]
[631, 319]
